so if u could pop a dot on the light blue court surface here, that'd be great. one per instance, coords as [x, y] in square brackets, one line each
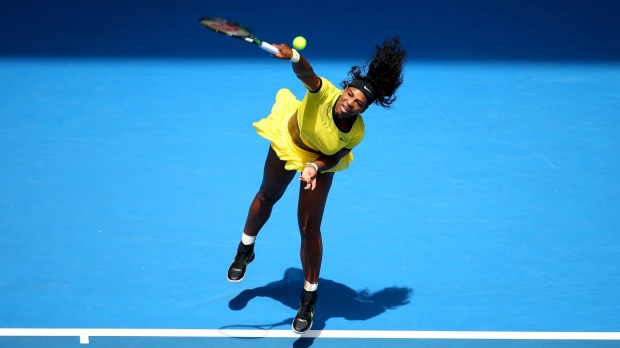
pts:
[481, 211]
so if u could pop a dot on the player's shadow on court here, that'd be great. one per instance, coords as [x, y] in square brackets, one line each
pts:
[335, 300]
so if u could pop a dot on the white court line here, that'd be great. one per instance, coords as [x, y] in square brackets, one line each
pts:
[85, 334]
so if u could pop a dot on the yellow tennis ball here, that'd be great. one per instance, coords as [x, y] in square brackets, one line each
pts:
[299, 43]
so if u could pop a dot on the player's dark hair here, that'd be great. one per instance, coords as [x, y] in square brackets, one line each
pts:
[384, 72]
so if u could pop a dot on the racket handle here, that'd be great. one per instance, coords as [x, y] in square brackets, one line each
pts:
[269, 48]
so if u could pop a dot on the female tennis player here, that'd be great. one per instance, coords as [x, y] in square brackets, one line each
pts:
[315, 137]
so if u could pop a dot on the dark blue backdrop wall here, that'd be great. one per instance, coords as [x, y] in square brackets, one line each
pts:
[430, 29]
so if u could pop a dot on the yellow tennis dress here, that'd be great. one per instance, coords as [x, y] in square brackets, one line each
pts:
[317, 129]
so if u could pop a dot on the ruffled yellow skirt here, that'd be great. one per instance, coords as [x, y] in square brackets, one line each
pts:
[275, 129]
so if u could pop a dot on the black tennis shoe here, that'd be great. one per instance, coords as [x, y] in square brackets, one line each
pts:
[236, 272]
[305, 313]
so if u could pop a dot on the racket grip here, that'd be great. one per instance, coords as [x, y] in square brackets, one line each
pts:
[269, 48]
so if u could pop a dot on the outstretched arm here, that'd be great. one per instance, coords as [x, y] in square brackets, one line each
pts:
[302, 69]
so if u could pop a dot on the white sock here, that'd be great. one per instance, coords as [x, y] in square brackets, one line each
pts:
[310, 287]
[247, 240]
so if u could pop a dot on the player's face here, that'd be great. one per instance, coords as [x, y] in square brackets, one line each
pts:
[351, 102]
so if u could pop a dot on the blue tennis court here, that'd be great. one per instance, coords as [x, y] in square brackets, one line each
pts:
[481, 211]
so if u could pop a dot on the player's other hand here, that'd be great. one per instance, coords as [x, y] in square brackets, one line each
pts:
[309, 177]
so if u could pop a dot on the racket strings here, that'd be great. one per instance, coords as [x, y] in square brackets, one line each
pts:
[226, 27]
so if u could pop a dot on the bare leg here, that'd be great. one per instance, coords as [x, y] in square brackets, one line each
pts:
[273, 186]
[310, 215]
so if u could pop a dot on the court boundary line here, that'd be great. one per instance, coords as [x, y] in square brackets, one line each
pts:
[85, 334]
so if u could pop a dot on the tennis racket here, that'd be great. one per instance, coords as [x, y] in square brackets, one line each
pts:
[228, 28]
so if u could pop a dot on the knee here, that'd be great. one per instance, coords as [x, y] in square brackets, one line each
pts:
[309, 230]
[267, 197]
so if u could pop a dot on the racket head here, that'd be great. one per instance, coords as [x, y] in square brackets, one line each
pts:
[226, 27]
